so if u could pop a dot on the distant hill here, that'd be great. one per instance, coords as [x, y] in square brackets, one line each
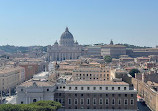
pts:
[14, 49]
[22, 49]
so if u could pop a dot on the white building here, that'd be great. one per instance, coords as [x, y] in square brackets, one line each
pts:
[32, 91]
[66, 49]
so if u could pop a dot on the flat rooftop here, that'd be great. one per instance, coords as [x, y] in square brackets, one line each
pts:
[97, 83]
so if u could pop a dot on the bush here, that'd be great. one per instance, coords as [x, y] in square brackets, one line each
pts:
[108, 59]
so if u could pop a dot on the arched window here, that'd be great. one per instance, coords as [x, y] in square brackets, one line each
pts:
[34, 100]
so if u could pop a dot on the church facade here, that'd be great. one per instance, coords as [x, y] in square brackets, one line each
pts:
[65, 49]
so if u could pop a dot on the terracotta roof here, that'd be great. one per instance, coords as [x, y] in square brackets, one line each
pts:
[96, 83]
[10, 69]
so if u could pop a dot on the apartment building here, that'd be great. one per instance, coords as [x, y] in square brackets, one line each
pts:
[10, 77]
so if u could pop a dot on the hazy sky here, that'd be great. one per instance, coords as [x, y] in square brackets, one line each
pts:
[41, 22]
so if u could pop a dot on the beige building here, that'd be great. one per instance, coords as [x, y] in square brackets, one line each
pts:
[113, 50]
[10, 77]
[148, 91]
[91, 73]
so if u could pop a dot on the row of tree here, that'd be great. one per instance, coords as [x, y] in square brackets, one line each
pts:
[37, 106]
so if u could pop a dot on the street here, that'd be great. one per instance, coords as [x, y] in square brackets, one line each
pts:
[142, 107]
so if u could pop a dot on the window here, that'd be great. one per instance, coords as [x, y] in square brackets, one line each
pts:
[119, 101]
[106, 95]
[131, 95]
[22, 90]
[88, 101]
[106, 101]
[76, 101]
[88, 88]
[59, 94]
[82, 88]
[75, 94]
[132, 101]
[69, 88]
[113, 101]
[82, 101]
[100, 88]
[94, 88]
[94, 101]
[125, 102]
[113, 95]
[118, 88]
[112, 88]
[75, 88]
[47, 89]
[124, 88]
[69, 107]
[81, 94]
[106, 88]
[69, 101]
[100, 101]
[22, 102]
[125, 95]
[119, 95]
[34, 100]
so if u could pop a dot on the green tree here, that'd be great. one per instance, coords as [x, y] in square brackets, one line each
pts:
[133, 71]
[107, 59]
[37, 106]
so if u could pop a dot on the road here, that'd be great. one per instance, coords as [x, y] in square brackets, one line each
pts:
[142, 107]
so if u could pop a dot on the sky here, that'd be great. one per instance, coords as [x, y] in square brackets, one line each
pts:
[41, 22]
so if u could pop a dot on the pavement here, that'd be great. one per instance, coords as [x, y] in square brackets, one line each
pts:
[10, 100]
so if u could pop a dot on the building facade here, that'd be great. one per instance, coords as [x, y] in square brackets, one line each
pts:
[33, 91]
[113, 50]
[10, 77]
[96, 95]
[91, 73]
[80, 95]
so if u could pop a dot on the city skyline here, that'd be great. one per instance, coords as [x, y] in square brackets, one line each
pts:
[26, 23]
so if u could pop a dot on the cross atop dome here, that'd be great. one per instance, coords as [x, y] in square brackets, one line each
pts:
[66, 30]
[111, 42]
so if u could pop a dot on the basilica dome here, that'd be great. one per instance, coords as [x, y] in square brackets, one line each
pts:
[66, 38]
[66, 34]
